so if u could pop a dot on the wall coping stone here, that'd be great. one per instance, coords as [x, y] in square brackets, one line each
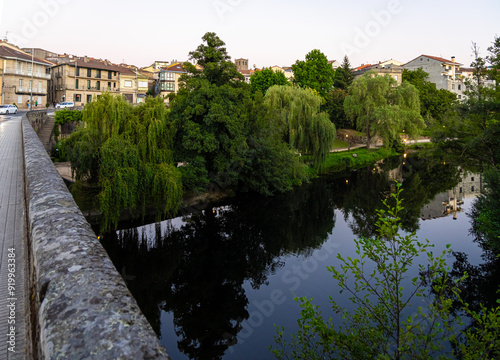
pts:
[85, 310]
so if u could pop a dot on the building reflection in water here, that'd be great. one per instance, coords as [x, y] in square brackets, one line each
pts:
[450, 202]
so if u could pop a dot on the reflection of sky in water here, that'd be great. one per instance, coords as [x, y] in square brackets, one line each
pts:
[307, 276]
[300, 234]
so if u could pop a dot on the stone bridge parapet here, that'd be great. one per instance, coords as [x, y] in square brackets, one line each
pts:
[82, 305]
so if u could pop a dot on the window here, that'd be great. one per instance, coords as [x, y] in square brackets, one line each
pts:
[89, 98]
[19, 99]
[88, 85]
[109, 85]
[170, 76]
[89, 72]
[114, 85]
[452, 86]
[78, 97]
[143, 84]
[460, 190]
[127, 83]
[30, 69]
[114, 73]
[396, 77]
[98, 73]
[472, 188]
[76, 84]
[77, 71]
[98, 85]
[31, 84]
[167, 86]
[472, 178]
[20, 83]
[459, 87]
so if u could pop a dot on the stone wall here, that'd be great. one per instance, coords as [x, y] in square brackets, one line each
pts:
[83, 306]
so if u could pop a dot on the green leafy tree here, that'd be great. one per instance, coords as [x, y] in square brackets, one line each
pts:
[434, 103]
[485, 212]
[127, 153]
[303, 125]
[334, 105]
[344, 76]
[381, 325]
[211, 114]
[261, 80]
[381, 108]
[315, 72]
[271, 166]
[473, 130]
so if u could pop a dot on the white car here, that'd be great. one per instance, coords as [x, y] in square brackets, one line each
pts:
[8, 109]
[65, 104]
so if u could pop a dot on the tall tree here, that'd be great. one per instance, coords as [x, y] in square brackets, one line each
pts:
[210, 111]
[344, 76]
[315, 72]
[127, 153]
[381, 108]
[334, 105]
[263, 79]
[434, 103]
[304, 126]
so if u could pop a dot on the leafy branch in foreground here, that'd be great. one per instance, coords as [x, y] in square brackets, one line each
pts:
[385, 323]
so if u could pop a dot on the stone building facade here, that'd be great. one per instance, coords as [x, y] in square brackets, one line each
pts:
[24, 77]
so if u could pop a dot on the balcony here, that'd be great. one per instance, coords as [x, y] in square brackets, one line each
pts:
[28, 90]
[26, 73]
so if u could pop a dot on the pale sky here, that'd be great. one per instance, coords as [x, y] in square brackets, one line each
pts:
[267, 33]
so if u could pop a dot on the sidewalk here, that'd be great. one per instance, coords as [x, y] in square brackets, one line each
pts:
[12, 242]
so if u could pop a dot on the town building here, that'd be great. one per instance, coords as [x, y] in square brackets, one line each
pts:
[169, 79]
[442, 72]
[335, 64]
[241, 64]
[133, 84]
[24, 77]
[83, 79]
[386, 68]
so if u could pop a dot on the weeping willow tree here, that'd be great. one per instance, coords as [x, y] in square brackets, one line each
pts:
[384, 109]
[127, 153]
[304, 127]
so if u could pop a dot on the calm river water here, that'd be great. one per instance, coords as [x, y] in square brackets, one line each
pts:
[213, 282]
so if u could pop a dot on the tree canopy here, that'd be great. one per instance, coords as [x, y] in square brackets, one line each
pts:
[434, 103]
[344, 76]
[315, 72]
[261, 80]
[127, 153]
[304, 126]
[381, 108]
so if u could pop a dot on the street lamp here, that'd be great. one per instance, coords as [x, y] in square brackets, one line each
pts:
[348, 143]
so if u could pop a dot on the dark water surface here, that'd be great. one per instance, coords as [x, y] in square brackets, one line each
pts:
[214, 282]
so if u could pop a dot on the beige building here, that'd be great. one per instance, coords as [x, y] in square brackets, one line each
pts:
[133, 85]
[24, 77]
[83, 79]
[393, 70]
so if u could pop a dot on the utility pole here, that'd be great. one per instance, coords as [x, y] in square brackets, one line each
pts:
[31, 84]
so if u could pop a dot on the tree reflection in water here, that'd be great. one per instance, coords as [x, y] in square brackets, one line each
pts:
[196, 270]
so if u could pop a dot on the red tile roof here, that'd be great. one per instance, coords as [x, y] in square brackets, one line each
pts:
[6, 51]
[437, 59]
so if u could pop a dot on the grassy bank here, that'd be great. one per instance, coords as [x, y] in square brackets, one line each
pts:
[339, 161]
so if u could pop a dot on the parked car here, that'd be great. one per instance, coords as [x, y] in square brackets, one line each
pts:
[8, 109]
[65, 104]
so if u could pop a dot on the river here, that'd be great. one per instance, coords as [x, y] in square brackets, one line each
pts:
[215, 281]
